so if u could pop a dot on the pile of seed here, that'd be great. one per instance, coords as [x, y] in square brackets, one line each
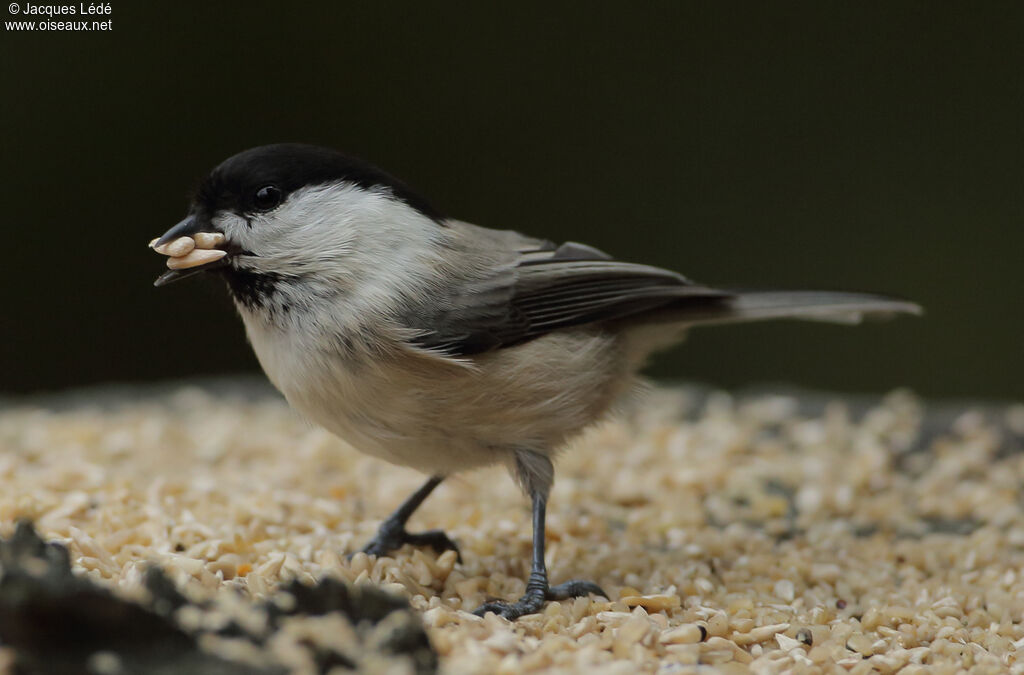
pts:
[762, 533]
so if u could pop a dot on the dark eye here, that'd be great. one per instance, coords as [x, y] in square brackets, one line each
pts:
[267, 197]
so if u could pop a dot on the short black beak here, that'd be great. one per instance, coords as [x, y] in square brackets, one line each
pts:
[189, 226]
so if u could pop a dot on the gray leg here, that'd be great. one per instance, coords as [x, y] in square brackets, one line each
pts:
[392, 533]
[537, 588]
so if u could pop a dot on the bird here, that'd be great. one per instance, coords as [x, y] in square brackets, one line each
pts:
[440, 345]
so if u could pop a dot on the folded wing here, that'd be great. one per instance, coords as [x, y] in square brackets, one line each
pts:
[542, 288]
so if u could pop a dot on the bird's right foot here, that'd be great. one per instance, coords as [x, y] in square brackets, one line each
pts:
[537, 592]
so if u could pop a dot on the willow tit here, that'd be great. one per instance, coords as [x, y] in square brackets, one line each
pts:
[440, 345]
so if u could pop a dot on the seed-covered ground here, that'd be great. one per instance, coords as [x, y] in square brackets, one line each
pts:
[760, 533]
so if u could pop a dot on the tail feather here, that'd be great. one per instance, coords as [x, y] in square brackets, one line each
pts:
[830, 306]
[663, 329]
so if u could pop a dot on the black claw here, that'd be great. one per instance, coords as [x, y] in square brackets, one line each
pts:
[533, 601]
[530, 603]
[576, 588]
[435, 539]
[390, 539]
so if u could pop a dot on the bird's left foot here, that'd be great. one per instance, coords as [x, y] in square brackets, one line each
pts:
[392, 535]
[534, 599]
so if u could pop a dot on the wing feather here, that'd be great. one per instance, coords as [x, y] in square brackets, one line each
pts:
[540, 288]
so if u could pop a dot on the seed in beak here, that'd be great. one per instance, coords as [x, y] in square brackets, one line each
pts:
[179, 247]
[208, 240]
[195, 258]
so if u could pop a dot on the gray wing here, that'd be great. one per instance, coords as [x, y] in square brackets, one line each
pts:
[534, 287]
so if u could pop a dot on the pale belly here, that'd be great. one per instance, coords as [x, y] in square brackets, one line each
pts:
[442, 416]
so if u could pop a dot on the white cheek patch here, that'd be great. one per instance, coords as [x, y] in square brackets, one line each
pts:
[234, 227]
[342, 241]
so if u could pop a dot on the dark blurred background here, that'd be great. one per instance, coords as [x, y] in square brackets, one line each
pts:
[873, 146]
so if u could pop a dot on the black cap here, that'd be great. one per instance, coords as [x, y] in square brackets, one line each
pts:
[291, 166]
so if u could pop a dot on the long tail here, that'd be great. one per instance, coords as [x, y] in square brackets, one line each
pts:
[831, 306]
[660, 330]
[734, 306]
